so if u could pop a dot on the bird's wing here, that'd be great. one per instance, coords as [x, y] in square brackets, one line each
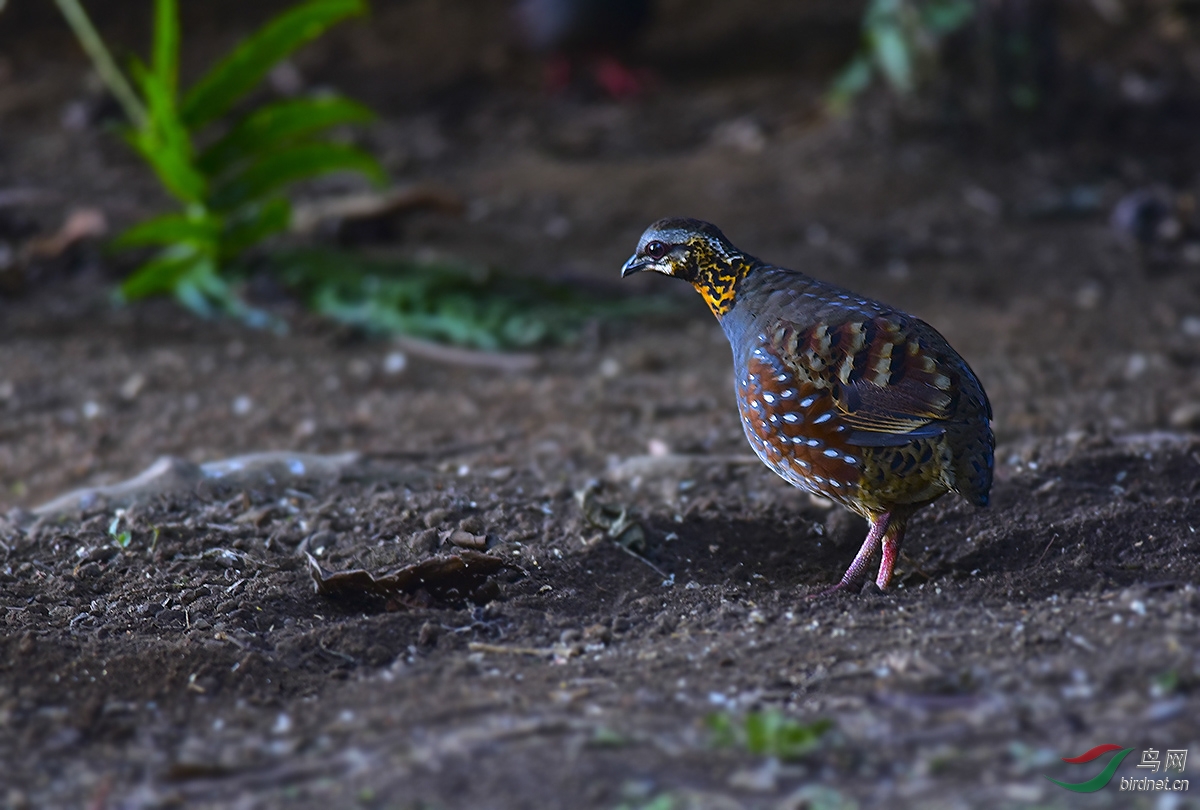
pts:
[892, 379]
[900, 384]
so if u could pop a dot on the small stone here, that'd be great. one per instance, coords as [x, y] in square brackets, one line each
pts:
[741, 134]
[597, 634]
[435, 517]
[87, 571]
[983, 201]
[558, 227]
[472, 524]
[757, 780]
[27, 643]
[395, 363]
[378, 655]
[1136, 365]
[1186, 416]
[818, 502]
[489, 591]
[425, 541]
[241, 405]
[1089, 296]
[133, 386]
[844, 528]
[466, 540]
[898, 270]
[286, 79]
[427, 636]
[323, 539]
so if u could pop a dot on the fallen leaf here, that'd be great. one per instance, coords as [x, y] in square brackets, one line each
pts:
[450, 579]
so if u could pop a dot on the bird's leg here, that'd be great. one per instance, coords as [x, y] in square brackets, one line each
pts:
[893, 533]
[887, 529]
[616, 79]
[556, 77]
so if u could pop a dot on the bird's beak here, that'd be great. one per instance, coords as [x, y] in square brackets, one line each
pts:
[634, 265]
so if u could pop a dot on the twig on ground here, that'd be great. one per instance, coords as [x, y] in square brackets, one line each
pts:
[642, 559]
[497, 649]
[509, 362]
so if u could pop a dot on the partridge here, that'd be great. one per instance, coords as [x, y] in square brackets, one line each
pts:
[841, 396]
[586, 33]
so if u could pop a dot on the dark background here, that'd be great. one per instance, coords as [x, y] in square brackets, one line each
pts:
[197, 667]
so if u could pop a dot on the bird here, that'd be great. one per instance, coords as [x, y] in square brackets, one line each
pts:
[840, 395]
[585, 33]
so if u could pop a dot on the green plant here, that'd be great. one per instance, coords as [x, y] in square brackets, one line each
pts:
[121, 538]
[446, 300]
[769, 733]
[663, 801]
[229, 171]
[900, 40]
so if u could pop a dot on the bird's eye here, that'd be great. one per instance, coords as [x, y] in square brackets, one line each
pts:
[656, 250]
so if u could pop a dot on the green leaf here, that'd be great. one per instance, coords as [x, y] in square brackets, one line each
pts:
[174, 170]
[162, 274]
[238, 73]
[163, 126]
[169, 229]
[769, 733]
[853, 79]
[191, 277]
[944, 17]
[163, 141]
[893, 53]
[166, 44]
[290, 165]
[465, 304]
[271, 217]
[275, 124]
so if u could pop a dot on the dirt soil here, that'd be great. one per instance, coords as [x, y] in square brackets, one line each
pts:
[191, 662]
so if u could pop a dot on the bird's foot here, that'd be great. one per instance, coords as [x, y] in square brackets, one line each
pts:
[556, 75]
[617, 80]
[851, 583]
[887, 530]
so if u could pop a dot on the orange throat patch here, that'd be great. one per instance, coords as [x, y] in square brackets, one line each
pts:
[719, 290]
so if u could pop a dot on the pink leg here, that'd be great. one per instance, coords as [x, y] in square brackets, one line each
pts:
[557, 76]
[886, 530]
[617, 80]
[892, 536]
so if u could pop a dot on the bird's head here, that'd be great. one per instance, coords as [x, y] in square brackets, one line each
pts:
[696, 252]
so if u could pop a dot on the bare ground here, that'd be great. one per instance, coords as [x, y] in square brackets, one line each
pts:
[196, 666]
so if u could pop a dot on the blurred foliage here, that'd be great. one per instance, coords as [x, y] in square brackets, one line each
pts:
[663, 801]
[230, 172]
[768, 733]
[821, 797]
[231, 184]
[449, 301]
[900, 42]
